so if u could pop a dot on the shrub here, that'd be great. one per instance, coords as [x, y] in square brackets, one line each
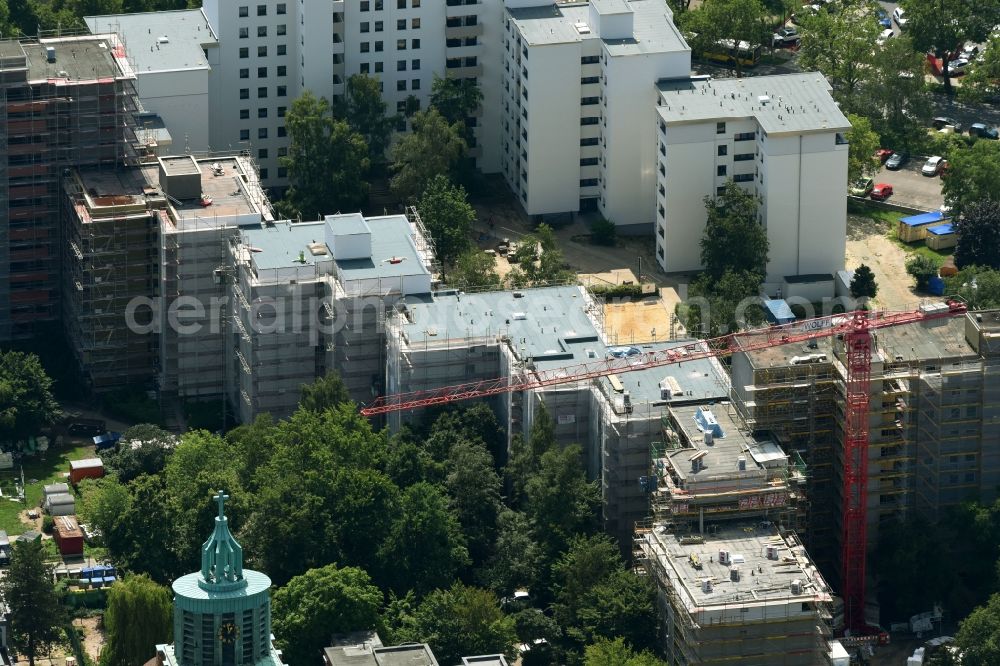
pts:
[618, 291]
[603, 232]
[922, 269]
[48, 523]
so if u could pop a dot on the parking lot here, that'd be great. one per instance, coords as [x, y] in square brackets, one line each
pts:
[911, 188]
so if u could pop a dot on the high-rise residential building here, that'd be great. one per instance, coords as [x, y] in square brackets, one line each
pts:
[271, 52]
[577, 97]
[64, 102]
[781, 137]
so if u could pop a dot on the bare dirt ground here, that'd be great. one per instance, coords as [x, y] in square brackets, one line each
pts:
[32, 523]
[868, 243]
[93, 636]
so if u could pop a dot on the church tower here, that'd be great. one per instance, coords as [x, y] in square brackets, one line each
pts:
[222, 614]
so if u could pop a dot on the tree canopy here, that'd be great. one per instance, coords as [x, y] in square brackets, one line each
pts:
[979, 287]
[863, 283]
[973, 175]
[445, 211]
[739, 20]
[861, 159]
[474, 269]
[979, 235]
[733, 239]
[943, 26]
[139, 617]
[35, 615]
[26, 401]
[456, 100]
[432, 148]
[616, 652]
[365, 112]
[978, 635]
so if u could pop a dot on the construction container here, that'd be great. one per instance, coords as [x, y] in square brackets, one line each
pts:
[89, 468]
[68, 536]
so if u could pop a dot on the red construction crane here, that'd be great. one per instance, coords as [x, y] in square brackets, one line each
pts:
[854, 327]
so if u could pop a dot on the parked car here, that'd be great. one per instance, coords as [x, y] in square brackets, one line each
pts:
[884, 36]
[958, 66]
[883, 18]
[942, 122]
[862, 187]
[881, 192]
[806, 11]
[970, 50]
[983, 131]
[786, 36]
[896, 160]
[883, 154]
[933, 165]
[899, 17]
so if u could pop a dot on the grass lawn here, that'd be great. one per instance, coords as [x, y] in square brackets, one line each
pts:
[37, 473]
[888, 219]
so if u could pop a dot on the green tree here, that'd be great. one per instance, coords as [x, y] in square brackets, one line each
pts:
[560, 501]
[526, 455]
[432, 148]
[615, 652]
[895, 97]
[539, 259]
[366, 114]
[143, 449]
[460, 621]
[861, 160]
[983, 82]
[324, 393]
[35, 616]
[474, 487]
[448, 217]
[978, 635]
[840, 45]
[733, 239]
[327, 160]
[979, 235]
[424, 547]
[139, 617]
[722, 306]
[978, 287]
[863, 283]
[517, 559]
[739, 20]
[603, 232]
[922, 269]
[26, 402]
[474, 270]
[973, 175]
[320, 603]
[457, 100]
[941, 27]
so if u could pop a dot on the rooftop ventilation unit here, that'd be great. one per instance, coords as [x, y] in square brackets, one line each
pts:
[582, 28]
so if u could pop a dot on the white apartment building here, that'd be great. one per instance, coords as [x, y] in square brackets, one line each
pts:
[782, 137]
[577, 97]
[270, 52]
[173, 54]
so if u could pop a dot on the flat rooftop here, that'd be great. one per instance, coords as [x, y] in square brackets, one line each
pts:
[936, 339]
[77, 59]
[366, 655]
[720, 458]
[788, 103]
[771, 579]
[233, 187]
[161, 41]
[653, 26]
[113, 188]
[699, 380]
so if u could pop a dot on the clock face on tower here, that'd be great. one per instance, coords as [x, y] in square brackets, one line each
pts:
[228, 633]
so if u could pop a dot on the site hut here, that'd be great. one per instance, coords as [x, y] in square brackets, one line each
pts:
[781, 138]
[311, 297]
[578, 92]
[746, 593]
[933, 385]
[631, 410]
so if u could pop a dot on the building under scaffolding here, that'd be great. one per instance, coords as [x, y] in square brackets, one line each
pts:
[65, 102]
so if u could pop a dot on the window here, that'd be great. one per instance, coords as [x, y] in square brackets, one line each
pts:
[743, 178]
[261, 10]
[262, 31]
[720, 170]
[282, 29]
[587, 101]
[282, 131]
[744, 136]
[378, 67]
[244, 135]
[723, 151]
[262, 112]
[365, 26]
[244, 52]
[415, 64]
[364, 47]
[401, 85]
[415, 23]
[244, 93]
[400, 44]
[400, 24]
[244, 33]
[262, 92]
[365, 6]
[263, 174]
[401, 107]
[378, 26]
[282, 91]
[415, 84]
[720, 128]
[590, 60]
[244, 73]
[262, 153]
[742, 157]
[592, 141]
[262, 133]
[261, 51]
[283, 151]
[244, 114]
[282, 172]
[378, 47]
[365, 68]
[590, 120]
[282, 49]
[400, 4]
[282, 70]
[262, 72]
[280, 9]
[588, 161]
[590, 79]
[281, 111]
[719, 191]
[244, 11]
[400, 65]
[415, 4]
[588, 182]
[378, 5]
[414, 43]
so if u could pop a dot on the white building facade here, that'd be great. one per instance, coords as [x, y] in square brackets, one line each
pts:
[781, 137]
[577, 96]
[269, 53]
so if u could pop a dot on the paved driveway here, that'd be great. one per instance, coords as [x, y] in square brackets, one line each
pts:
[911, 188]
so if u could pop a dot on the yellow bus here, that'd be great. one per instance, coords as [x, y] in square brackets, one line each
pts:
[730, 52]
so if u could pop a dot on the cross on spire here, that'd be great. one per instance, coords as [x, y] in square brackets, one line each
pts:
[221, 500]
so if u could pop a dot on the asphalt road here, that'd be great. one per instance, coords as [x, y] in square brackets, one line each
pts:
[912, 188]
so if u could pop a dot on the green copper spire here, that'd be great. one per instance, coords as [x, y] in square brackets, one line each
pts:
[221, 555]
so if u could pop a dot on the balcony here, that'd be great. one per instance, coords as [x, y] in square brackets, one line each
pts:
[462, 31]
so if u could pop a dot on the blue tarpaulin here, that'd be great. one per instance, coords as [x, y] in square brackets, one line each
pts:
[922, 219]
[107, 440]
[778, 311]
[942, 229]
